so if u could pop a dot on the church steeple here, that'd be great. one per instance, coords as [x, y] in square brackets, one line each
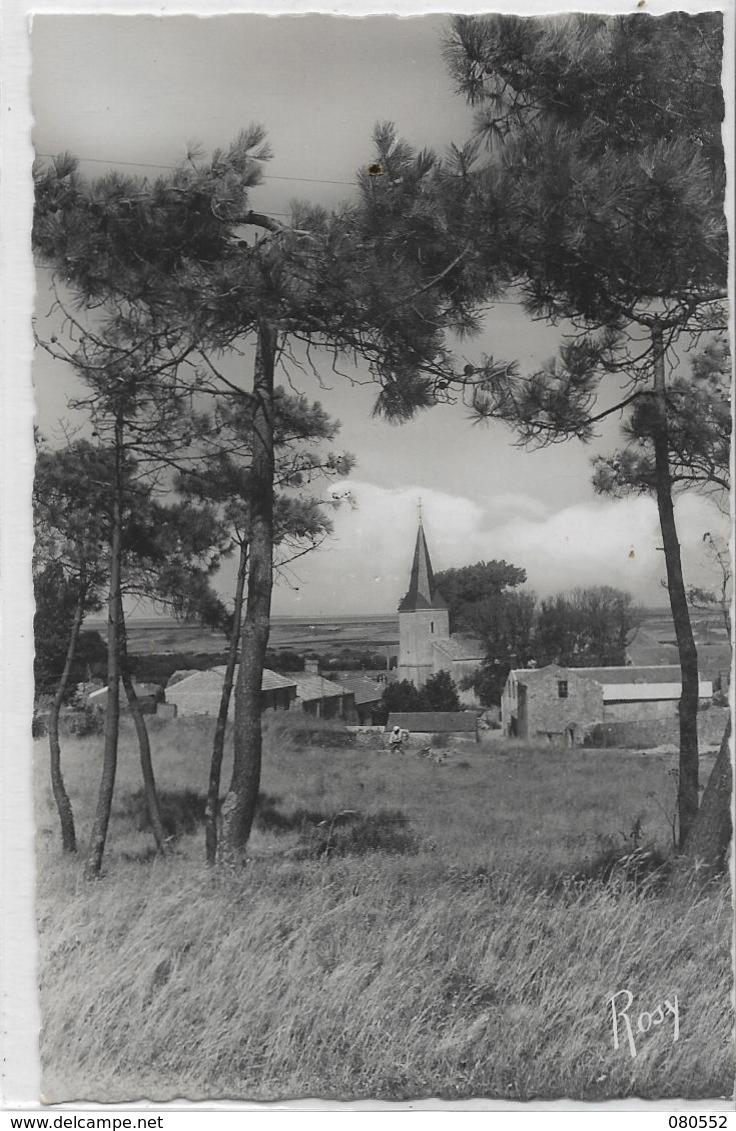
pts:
[422, 593]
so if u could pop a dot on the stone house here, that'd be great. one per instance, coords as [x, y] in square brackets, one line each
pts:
[555, 703]
[563, 704]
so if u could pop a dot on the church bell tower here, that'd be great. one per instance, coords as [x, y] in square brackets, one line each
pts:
[423, 618]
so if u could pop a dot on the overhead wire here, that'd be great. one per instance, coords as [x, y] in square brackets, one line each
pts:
[267, 177]
[160, 165]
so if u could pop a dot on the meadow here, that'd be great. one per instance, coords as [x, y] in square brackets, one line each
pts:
[402, 929]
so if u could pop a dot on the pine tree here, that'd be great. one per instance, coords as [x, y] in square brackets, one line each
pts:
[223, 478]
[69, 511]
[699, 434]
[607, 171]
[382, 280]
[136, 544]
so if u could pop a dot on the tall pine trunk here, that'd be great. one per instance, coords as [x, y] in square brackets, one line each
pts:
[218, 743]
[95, 852]
[61, 797]
[144, 745]
[687, 796]
[238, 809]
[707, 845]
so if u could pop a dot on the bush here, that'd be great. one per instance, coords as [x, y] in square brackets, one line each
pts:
[285, 660]
[80, 723]
[158, 667]
[351, 833]
[182, 811]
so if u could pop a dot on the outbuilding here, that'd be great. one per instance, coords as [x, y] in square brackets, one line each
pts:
[367, 709]
[457, 726]
[322, 698]
[147, 694]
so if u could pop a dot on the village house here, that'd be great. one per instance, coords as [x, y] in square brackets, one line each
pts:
[322, 698]
[426, 645]
[564, 704]
[199, 692]
[367, 695]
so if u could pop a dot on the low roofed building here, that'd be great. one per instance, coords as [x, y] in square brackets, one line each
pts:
[367, 695]
[199, 692]
[458, 725]
[322, 697]
[147, 694]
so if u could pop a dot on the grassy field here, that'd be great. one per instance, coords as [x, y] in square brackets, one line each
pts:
[403, 929]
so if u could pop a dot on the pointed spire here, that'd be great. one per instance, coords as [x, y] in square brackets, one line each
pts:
[422, 593]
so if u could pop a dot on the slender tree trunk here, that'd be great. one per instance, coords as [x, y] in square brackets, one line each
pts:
[218, 743]
[687, 798]
[711, 832]
[61, 797]
[93, 863]
[144, 745]
[239, 806]
[705, 854]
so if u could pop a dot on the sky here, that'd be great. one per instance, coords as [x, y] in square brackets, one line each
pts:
[141, 89]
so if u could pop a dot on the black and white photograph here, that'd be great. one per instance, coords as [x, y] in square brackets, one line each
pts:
[382, 564]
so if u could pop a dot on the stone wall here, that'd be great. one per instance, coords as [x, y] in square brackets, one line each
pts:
[640, 709]
[643, 734]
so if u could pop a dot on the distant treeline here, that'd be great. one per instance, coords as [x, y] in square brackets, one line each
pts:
[159, 667]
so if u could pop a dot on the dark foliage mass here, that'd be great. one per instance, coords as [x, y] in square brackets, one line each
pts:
[439, 693]
[56, 598]
[470, 587]
[699, 433]
[583, 628]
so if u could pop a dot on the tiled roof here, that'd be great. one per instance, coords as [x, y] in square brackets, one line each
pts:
[270, 682]
[179, 675]
[311, 687]
[434, 722]
[651, 673]
[364, 690]
[273, 680]
[654, 673]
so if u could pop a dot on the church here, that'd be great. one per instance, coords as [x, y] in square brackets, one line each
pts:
[426, 645]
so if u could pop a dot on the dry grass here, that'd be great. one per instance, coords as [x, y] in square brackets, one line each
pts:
[439, 939]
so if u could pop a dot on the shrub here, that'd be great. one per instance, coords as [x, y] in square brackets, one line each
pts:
[182, 810]
[350, 833]
[322, 736]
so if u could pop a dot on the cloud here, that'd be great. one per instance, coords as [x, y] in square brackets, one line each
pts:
[365, 566]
